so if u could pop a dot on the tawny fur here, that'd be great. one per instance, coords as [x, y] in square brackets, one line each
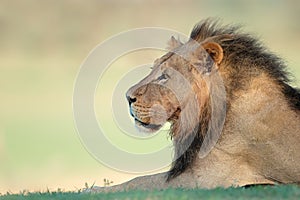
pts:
[260, 140]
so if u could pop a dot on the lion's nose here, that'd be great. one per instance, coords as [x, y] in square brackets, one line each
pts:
[130, 99]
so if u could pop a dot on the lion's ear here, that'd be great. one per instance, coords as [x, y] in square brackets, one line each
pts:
[214, 50]
[173, 43]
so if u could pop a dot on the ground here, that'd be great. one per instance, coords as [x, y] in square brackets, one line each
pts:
[256, 192]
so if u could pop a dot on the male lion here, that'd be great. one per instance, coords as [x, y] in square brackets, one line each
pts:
[259, 138]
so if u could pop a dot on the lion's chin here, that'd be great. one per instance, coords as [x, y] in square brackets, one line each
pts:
[147, 128]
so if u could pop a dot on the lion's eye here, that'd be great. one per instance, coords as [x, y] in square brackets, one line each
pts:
[163, 77]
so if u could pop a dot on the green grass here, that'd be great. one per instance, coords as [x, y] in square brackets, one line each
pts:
[258, 192]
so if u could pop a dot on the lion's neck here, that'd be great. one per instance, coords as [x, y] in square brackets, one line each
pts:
[188, 141]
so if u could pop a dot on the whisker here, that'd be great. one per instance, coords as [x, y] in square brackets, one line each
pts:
[144, 115]
[142, 106]
[141, 110]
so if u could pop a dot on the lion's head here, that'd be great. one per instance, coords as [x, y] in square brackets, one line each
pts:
[175, 90]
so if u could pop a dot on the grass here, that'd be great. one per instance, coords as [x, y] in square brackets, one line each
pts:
[258, 192]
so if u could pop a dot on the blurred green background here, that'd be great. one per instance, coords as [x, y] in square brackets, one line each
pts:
[43, 44]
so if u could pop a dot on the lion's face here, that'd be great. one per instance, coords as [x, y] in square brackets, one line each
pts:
[166, 91]
[154, 101]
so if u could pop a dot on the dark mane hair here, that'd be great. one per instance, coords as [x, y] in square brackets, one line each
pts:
[247, 58]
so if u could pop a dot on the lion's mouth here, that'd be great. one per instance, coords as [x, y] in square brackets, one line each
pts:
[147, 127]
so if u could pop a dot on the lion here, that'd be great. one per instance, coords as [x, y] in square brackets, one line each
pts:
[258, 139]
